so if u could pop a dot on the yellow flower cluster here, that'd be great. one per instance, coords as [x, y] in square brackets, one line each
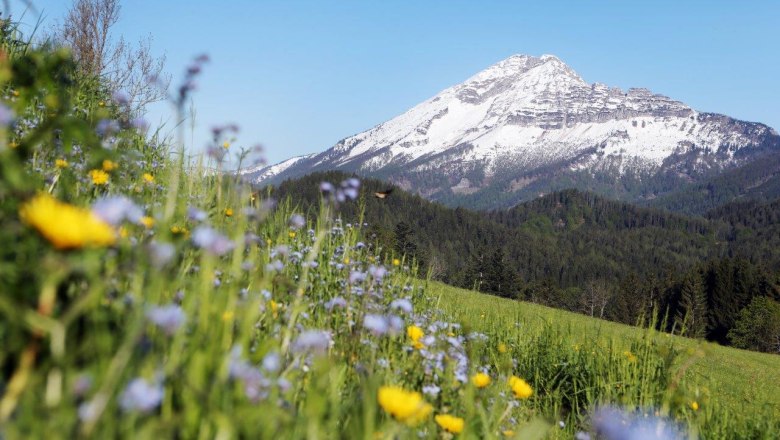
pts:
[109, 165]
[180, 230]
[228, 212]
[520, 388]
[406, 406]
[61, 163]
[66, 226]
[450, 423]
[99, 177]
[148, 178]
[147, 221]
[480, 380]
[415, 334]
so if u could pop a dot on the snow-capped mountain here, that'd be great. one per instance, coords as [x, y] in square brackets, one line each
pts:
[527, 125]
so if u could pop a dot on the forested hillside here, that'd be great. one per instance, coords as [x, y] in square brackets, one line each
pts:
[757, 181]
[582, 252]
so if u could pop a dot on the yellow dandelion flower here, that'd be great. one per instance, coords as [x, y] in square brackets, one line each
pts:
[396, 262]
[520, 388]
[226, 145]
[480, 380]
[99, 177]
[502, 348]
[109, 165]
[695, 405]
[450, 423]
[66, 226]
[630, 356]
[346, 260]
[415, 333]
[148, 178]
[61, 163]
[228, 212]
[180, 230]
[147, 221]
[406, 406]
[291, 234]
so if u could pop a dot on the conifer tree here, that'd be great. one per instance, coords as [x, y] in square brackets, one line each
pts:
[691, 316]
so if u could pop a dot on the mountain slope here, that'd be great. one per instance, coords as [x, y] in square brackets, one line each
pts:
[530, 125]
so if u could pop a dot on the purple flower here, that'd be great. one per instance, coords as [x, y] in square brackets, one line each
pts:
[336, 302]
[280, 251]
[326, 187]
[6, 115]
[614, 424]
[161, 253]
[351, 193]
[216, 153]
[376, 324]
[116, 209]
[431, 390]
[106, 127]
[402, 304]
[312, 341]
[81, 385]
[274, 266]
[169, 318]
[382, 325]
[354, 182]
[356, 277]
[139, 124]
[211, 241]
[272, 362]
[141, 396]
[377, 272]
[196, 214]
[120, 97]
[297, 222]
[89, 410]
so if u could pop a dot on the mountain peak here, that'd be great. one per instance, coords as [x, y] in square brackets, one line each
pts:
[528, 68]
[517, 126]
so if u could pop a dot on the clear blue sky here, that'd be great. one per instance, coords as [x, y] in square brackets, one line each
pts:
[298, 76]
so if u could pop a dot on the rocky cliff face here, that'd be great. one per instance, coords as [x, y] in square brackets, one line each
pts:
[527, 125]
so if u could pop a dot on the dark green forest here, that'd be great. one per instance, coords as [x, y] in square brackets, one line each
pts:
[702, 276]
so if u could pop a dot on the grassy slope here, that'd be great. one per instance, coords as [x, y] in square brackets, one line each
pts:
[742, 380]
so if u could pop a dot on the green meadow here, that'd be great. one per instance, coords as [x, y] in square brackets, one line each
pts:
[740, 380]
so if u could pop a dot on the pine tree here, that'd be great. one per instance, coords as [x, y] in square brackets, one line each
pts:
[691, 315]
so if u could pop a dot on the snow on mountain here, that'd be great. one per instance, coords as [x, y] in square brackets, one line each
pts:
[522, 115]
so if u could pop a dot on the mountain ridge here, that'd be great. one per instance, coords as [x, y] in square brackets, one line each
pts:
[525, 126]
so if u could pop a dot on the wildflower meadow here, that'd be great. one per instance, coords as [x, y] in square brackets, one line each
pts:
[147, 292]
